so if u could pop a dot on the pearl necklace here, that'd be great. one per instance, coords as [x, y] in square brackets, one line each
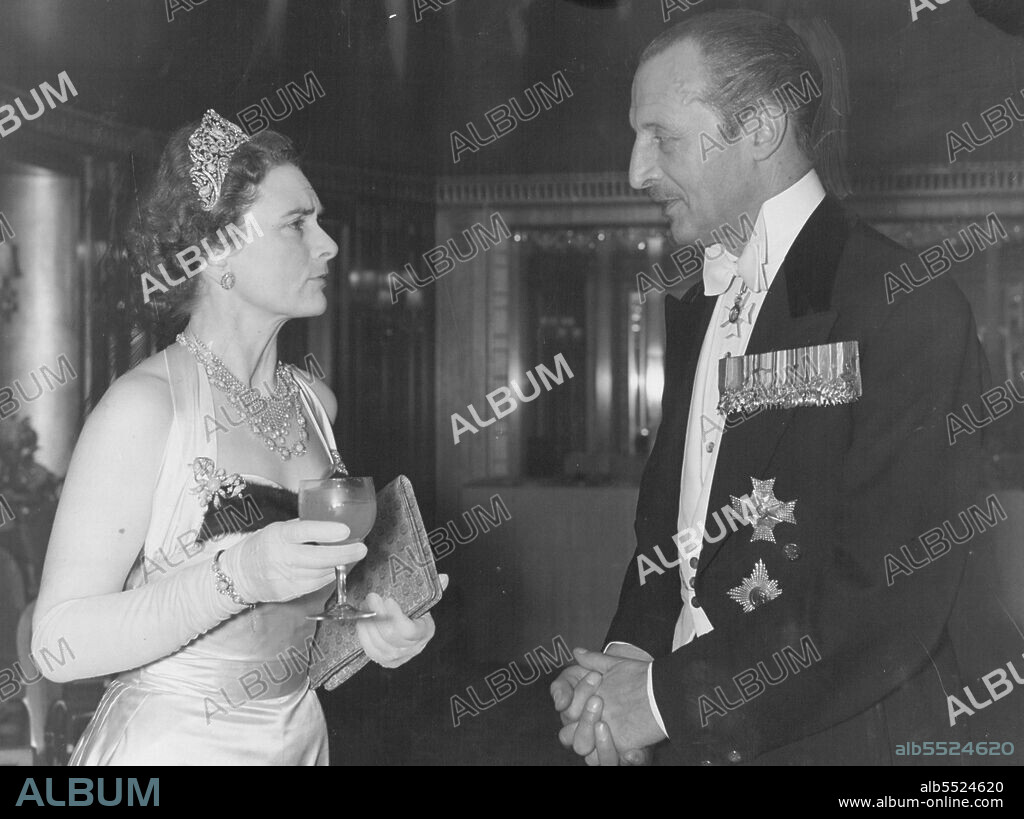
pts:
[269, 418]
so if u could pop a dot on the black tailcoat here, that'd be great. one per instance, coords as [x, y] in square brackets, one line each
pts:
[868, 477]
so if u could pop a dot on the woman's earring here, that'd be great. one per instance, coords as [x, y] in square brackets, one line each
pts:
[227, 281]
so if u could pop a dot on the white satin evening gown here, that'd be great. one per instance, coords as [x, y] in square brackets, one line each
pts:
[238, 694]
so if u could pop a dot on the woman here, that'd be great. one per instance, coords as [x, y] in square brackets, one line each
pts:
[206, 627]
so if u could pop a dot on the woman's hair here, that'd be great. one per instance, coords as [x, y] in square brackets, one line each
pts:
[168, 219]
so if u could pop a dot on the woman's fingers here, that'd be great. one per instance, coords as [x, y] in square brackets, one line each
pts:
[312, 531]
[391, 638]
[395, 626]
[376, 648]
[380, 650]
[338, 555]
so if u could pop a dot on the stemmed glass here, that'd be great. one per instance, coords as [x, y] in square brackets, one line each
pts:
[352, 501]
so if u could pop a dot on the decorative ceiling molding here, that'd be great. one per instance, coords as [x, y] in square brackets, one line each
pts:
[536, 189]
[612, 188]
[910, 197]
[923, 233]
[924, 193]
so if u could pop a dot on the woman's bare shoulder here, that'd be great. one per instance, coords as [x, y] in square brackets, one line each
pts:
[323, 392]
[139, 400]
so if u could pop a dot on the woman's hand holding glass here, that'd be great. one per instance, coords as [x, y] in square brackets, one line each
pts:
[290, 559]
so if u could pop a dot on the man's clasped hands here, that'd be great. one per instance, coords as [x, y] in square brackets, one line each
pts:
[606, 713]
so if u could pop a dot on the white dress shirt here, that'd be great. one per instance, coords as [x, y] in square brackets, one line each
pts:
[779, 221]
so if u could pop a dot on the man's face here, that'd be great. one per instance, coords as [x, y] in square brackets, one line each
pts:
[700, 188]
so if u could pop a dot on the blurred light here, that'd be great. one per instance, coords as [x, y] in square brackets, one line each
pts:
[274, 26]
[641, 246]
[655, 378]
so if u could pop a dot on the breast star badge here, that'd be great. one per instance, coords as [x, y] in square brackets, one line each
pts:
[766, 508]
[755, 590]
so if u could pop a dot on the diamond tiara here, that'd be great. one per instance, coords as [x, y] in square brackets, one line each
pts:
[211, 147]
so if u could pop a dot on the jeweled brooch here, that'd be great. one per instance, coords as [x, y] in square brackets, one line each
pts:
[755, 590]
[214, 484]
[337, 465]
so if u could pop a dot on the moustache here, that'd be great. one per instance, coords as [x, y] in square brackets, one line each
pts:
[662, 197]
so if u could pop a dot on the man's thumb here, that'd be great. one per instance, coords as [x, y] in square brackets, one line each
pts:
[595, 661]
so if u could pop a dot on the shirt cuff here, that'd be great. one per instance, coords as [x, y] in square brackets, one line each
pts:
[650, 686]
[650, 699]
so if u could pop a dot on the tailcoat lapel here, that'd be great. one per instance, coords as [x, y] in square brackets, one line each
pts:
[686, 323]
[797, 312]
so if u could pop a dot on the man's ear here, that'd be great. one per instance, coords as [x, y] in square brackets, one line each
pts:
[768, 133]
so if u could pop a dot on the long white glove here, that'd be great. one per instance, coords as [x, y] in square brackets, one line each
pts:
[109, 633]
[274, 564]
[391, 639]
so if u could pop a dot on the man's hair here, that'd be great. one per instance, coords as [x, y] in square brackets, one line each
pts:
[751, 61]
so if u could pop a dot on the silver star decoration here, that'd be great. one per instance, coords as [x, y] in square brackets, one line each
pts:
[736, 313]
[755, 590]
[768, 509]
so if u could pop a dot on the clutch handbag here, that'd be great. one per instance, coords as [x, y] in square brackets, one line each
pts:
[399, 564]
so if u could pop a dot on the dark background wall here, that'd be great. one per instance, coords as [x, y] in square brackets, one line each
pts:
[911, 81]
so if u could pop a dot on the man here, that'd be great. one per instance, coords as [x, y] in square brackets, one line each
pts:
[786, 635]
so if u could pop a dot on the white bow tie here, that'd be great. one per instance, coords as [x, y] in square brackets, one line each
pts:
[721, 267]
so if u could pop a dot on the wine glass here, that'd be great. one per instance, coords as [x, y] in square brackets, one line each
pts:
[347, 500]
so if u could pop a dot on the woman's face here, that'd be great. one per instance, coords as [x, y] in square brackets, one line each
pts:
[282, 272]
